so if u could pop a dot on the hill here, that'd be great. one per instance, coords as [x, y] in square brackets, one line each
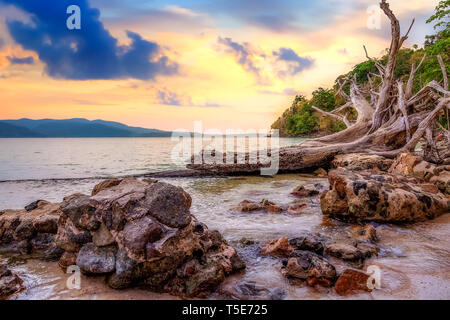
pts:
[73, 128]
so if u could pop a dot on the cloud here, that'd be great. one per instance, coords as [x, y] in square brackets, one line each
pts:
[89, 53]
[170, 98]
[242, 52]
[285, 92]
[2, 43]
[296, 64]
[26, 60]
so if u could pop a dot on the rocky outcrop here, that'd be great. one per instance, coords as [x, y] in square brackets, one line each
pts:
[31, 232]
[10, 283]
[142, 233]
[361, 161]
[367, 196]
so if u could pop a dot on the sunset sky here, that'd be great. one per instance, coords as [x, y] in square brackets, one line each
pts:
[164, 64]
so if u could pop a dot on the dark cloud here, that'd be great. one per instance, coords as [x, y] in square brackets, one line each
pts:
[296, 63]
[89, 53]
[242, 52]
[26, 60]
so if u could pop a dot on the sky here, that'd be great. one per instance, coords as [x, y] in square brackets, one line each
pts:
[164, 64]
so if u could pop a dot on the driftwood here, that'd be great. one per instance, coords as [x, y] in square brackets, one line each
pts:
[393, 120]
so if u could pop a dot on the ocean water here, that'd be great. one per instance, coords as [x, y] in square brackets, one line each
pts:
[414, 259]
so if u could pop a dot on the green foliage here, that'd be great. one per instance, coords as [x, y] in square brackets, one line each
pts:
[362, 70]
[323, 99]
[304, 122]
[441, 16]
[335, 126]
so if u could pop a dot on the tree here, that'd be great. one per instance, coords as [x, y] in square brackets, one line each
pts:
[391, 119]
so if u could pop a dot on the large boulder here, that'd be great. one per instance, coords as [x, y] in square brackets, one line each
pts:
[365, 196]
[361, 161]
[142, 233]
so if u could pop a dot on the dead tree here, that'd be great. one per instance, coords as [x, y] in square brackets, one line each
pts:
[393, 121]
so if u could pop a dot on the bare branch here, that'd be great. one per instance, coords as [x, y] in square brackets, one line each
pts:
[402, 107]
[407, 33]
[444, 71]
[329, 114]
[410, 85]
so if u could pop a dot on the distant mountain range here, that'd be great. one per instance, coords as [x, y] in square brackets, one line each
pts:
[73, 128]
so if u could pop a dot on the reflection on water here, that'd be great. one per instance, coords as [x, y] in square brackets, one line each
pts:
[414, 260]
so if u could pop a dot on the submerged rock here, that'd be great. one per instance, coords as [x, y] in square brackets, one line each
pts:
[278, 247]
[352, 252]
[10, 283]
[351, 282]
[252, 206]
[308, 190]
[306, 265]
[365, 196]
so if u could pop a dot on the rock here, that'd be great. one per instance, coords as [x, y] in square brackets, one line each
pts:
[320, 172]
[351, 282]
[246, 242]
[306, 265]
[364, 233]
[137, 234]
[278, 247]
[248, 206]
[67, 259]
[96, 260]
[81, 213]
[35, 205]
[305, 191]
[297, 209]
[308, 242]
[102, 237]
[361, 161]
[10, 283]
[105, 185]
[46, 224]
[69, 237]
[274, 208]
[251, 206]
[408, 164]
[31, 233]
[352, 252]
[43, 247]
[364, 196]
[442, 181]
